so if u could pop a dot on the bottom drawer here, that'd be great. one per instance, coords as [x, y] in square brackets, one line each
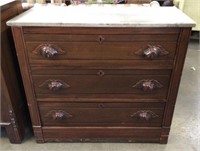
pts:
[101, 114]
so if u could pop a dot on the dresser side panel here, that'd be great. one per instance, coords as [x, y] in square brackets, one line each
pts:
[25, 72]
[176, 74]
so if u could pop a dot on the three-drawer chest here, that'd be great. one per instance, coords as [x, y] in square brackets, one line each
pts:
[102, 72]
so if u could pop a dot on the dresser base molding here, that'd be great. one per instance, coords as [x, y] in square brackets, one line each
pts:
[38, 134]
[102, 134]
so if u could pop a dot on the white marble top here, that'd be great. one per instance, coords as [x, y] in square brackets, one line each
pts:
[103, 16]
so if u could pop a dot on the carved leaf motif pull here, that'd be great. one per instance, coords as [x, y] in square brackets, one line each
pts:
[58, 115]
[152, 52]
[49, 51]
[148, 85]
[54, 85]
[144, 114]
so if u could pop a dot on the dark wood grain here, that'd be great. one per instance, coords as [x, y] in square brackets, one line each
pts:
[14, 115]
[96, 37]
[105, 64]
[101, 114]
[96, 51]
[100, 81]
[99, 30]
[22, 58]
[102, 134]
[176, 74]
[100, 85]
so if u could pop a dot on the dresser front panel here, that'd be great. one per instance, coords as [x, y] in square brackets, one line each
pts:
[134, 85]
[104, 51]
[101, 84]
[100, 37]
[146, 47]
[101, 114]
[102, 134]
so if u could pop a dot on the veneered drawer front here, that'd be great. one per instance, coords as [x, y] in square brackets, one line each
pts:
[57, 51]
[101, 114]
[103, 82]
[100, 38]
[101, 30]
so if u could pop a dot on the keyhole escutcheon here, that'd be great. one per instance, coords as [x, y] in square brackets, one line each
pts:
[101, 39]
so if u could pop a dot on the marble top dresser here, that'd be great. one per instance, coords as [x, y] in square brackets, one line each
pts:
[101, 72]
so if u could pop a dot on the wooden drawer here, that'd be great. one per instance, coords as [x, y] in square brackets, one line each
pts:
[101, 114]
[142, 50]
[135, 84]
[101, 38]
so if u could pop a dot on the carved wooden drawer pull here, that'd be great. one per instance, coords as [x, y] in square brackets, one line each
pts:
[148, 85]
[55, 85]
[144, 115]
[48, 51]
[152, 52]
[58, 115]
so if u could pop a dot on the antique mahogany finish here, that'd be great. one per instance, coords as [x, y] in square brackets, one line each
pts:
[13, 101]
[101, 84]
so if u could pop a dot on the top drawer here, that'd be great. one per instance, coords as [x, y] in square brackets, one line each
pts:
[100, 38]
[66, 45]
[147, 50]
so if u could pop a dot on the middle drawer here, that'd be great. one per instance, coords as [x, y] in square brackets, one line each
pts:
[134, 84]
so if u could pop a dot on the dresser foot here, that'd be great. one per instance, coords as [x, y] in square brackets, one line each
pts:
[40, 141]
[38, 134]
[14, 135]
[164, 139]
